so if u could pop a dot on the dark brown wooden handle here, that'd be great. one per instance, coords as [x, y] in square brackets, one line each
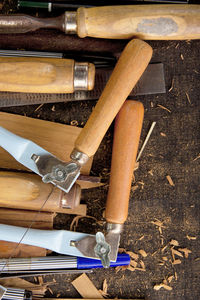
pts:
[128, 127]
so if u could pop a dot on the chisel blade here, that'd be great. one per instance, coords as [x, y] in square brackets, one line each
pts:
[151, 82]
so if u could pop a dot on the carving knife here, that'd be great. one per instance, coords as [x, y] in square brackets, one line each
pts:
[129, 68]
[150, 22]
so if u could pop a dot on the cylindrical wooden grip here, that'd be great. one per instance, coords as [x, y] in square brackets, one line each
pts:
[39, 75]
[149, 22]
[27, 191]
[127, 131]
[131, 65]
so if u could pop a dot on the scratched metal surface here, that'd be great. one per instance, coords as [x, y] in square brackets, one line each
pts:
[172, 150]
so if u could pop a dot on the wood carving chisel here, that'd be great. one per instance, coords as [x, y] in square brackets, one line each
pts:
[128, 126]
[45, 75]
[129, 68]
[149, 22]
[29, 192]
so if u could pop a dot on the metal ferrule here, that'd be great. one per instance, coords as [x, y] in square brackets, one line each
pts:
[80, 76]
[114, 228]
[70, 23]
[80, 157]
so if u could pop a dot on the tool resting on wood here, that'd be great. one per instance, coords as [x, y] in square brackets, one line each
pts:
[149, 22]
[45, 75]
[129, 68]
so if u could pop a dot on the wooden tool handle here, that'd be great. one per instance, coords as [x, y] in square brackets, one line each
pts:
[27, 191]
[131, 65]
[149, 22]
[128, 127]
[40, 75]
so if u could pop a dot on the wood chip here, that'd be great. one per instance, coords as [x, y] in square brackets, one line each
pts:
[185, 251]
[105, 286]
[182, 57]
[86, 288]
[165, 258]
[170, 180]
[121, 268]
[191, 237]
[158, 223]
[157, 287]
[163, 134]
[176, 252]
[164, 248]
[165, 108]
[141, 238]
[170, 278]
[176, 262]
[130, 268]
[142, 264]
[140, 269]
[143, 253]
[172, 86]
[188, 98]
[133, 263]
[133, 255]
[174, 243]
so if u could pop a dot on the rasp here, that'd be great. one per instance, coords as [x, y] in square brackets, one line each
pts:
[149, 22]
[151, 82]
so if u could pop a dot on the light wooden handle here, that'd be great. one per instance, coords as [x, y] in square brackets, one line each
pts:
[27, 191]
[149, 22]
[131, 65]
[128, 127]
[40, 75]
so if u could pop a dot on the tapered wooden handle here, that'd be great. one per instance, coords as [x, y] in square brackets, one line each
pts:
[149, 22]
[131, 65]
[128, 127]
[41, 75]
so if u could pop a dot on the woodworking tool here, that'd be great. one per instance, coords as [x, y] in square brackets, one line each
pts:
[7, 293]
[128, 126]
[150, 22]
[49, 5]
[52, 263]
[41, 75]
[29, 192]
[151, 82]
[60, 241]
[129, 68]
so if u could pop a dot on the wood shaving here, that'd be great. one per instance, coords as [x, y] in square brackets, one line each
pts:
[122, 250]
[160, 229]
[133, 255]
[182, 57]
[134, 188]
[136, 165]
[142, 264]
[140, 269]
[170, 180]
[165, 258]
[150, 172]
[76, 219]
[74, 123]
[141, 238]
[105, 286]
[38, 107]
[188, 98]
[164, 248]
[143, 253]
[130, 268]
[163, 134]
[103, 293]
[174, 243]
[176, 262]
[170, 278]
[158, 223]
[163, 107]
[50, 290]
[191, 237]
[176, 252]
[133, 263]
[157, 287]
[196, 157]
[53, 108]
[172, 86]
[121, 268]
[185, 251]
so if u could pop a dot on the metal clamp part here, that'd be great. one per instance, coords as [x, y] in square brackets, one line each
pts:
[80, 76]
[80, 157]
[70, 23]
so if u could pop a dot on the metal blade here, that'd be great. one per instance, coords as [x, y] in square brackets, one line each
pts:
[2, 291]
[40, 161]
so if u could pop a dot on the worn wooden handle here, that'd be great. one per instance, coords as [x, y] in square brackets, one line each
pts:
[149, 22]
[40, 75]
[128, 127]
[27, 191]
[131, 65]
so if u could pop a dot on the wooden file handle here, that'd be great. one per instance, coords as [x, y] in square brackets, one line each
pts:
[128, 127]
[131, 65]
[40, 75]
[149, 22]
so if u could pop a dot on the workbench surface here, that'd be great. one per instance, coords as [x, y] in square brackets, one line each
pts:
[159, 212]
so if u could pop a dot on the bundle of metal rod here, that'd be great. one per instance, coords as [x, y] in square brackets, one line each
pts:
[17, 265]
[17, 294]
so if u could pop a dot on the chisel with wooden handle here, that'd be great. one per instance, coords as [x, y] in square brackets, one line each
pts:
[129, 68]
[128, 126]
[45, 75]
[148, 22]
